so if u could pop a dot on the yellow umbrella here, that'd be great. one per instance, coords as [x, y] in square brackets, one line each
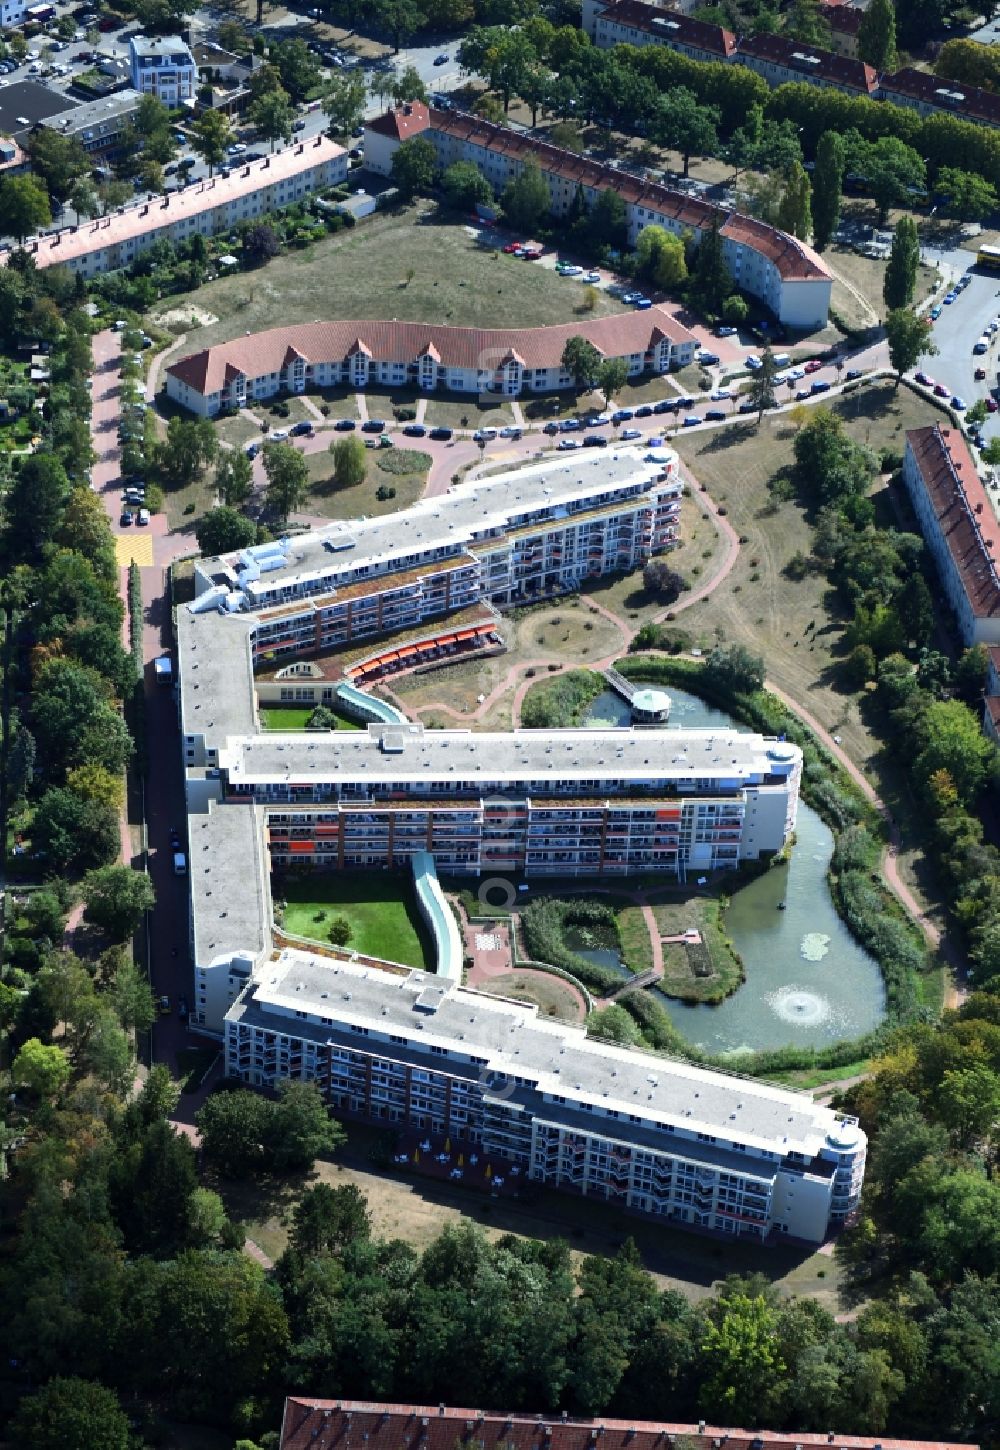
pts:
[416, 1155]
[461, 1160]
[447, 1145]
[489, 1171]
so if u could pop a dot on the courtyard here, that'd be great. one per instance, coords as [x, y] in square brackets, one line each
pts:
[379, 907]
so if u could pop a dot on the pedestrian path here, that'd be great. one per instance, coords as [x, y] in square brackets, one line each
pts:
[134, 549]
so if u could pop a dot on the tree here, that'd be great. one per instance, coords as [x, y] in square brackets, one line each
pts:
[131, 996]
[465, 186]
[408, 86]
[58, 160]
[743, 1368]
[582, 361]
[272, 115]
[210, 135]
[607, 220]
[327, 1220]
[233, 37]
[900, 278]
[20, 762]
[343, 102]
[83, 199]
[350, 462]
[117, 898]
[287, 478]
[34, 505]
[24, 206]
[340, 931]
[829, 466]
[297, 67]
[794, 210]
[682, 124]
[953, 741]
[909, 338]
[234, 477]
[968, 197]
[93, 783]
[660, 579]
[71, 1414]
[525, 199]
[232, 1126]
[499, 53]
[301, 1129]
[260, 242]
[659, 255]
[40, 1069]
[414, 167]
[612, 375]
[190, 446]
[827, 187]
[73, 833]
[711, 283]
[915, 608]
[877, 36]
[223, 529]
[861, 665]
[891, 168]
[991, 453]
[401, 18]
[967, 1101]
[761, 391]
[735, 669]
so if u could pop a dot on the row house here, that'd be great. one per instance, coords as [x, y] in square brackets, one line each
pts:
[782, 61]
[785, 273]
[203, 208]
[633, 22]
[930, 95]
[959, 527]
[430, 357]
[664, 1139]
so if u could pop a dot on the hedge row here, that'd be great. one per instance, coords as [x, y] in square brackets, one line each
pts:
[544, 924]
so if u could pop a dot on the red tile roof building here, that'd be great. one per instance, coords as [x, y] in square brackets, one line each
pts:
[959, 527]
[206, 207]
[781, 60]
[929, 94]
[457, 359]
[310, 1424]
[786, 274]
[844, 22]
[634, 22]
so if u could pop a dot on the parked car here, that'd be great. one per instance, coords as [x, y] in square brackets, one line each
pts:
[714, 415]
[530, 254]
[164, 1005]
[691, 420]
[373, 425]
[992, 405]
[958, 403]
[342, 425]
[665, 405]
[484, 435]
[820, 386]
[571, 425]
[628, 433]
[567, 443]
[753, 362]
[980, 375]
[629, 297]
[441, 435]
[595, 440]
[126, 518]
[747, 408]
[622, 415]
[299, 125]
[642, 304]
[592, 277]
[414, 430]
[566, 269]
[940, 391]
[442, 59]
[950, 297]
[721, 393]
[278, 435]
[143, 516]
[813, 365]
[300, 430]
[511, 431]
[852, 373]
[725, 332]
[551, 428]
[512, 247]
[645, 411]
[709, 359]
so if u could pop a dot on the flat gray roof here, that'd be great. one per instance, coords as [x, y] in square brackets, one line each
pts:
[385, 753]
[93, 113]
[31, 101]
[452, 519]
[230, 891]
[558, 1058]
[159, 45]
[216, 674]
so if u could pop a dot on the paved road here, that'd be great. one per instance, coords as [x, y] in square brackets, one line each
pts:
[170, 967]
[956, 332]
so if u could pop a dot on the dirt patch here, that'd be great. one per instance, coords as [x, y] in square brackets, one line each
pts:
[188, 316]
[552, 996]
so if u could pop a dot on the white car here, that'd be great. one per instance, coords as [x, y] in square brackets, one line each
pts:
[628, 433]
[721, 393]
[592, 277]
[753, 363]
[571, 271]
[143, 516]
[567, 443]
[278, 435]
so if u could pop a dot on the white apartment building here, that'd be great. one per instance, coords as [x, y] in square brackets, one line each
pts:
[786, 274]
[959, 527]
[12, 12]
[509, 361]
[163, 66]
[689, 1146]
[203, 207]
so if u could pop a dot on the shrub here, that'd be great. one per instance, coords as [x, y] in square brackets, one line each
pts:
[544, 923]
[560, 703]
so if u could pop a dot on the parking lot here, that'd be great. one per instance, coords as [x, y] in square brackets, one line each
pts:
[956, 331]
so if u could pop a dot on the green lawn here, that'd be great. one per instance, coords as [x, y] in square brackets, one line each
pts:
[380, 906]
[294, 717]
[407, 266]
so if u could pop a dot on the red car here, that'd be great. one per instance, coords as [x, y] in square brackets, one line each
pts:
[813, 365]
[992, 405]
[980, 374]
[528, 255]
[940, 391]
[514, 247]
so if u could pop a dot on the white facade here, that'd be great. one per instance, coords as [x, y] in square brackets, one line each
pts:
[162, 66]
[654, 1136]
[12, 12]
[203, 207]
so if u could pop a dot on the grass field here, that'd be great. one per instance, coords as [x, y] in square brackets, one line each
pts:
[553, 997]
[416, 1210]
[350, 503]
[380, 907]
[865, 275]
[679, 976]
[294, 717]
[364, 273]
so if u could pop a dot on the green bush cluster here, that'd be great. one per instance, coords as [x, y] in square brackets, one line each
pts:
[544, 923]
[558, 704]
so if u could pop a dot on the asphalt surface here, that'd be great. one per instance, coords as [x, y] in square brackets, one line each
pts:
[169, 956]
[955, 334]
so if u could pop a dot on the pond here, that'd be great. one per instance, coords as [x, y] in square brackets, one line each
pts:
[808, 982]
